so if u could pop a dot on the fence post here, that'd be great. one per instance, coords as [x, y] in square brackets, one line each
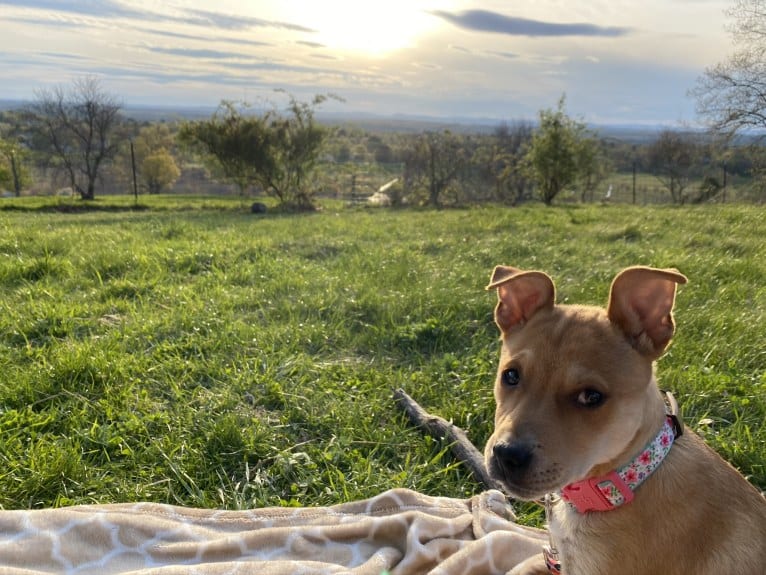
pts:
[133, 164]
[634, 182]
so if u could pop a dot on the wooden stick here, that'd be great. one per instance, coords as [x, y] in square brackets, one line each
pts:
[440, 428]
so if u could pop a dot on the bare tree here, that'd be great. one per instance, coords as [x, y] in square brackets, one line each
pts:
[435, 162]
[593, 166]
[499, 159]
[76, 127]
[732, 94]
[672, 158]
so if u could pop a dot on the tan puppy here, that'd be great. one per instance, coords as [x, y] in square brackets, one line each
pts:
[577, 400]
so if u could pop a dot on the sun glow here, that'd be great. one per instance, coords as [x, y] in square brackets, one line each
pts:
[371, 28]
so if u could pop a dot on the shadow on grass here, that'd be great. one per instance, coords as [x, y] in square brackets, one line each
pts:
[75, 208]
[169, 205]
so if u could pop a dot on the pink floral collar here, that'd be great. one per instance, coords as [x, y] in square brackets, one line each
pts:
[616, 488]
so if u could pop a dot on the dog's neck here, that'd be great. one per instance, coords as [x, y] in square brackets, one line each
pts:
[615, 488]
[607, 492]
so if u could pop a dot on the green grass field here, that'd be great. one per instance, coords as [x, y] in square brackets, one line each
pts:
[191, 353]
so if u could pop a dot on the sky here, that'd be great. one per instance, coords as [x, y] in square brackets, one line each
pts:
[615, 61]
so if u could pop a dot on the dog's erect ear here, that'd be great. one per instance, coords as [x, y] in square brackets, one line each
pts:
[641, 305]
[520, 295]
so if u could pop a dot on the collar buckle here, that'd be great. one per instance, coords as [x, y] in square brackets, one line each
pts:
[598, 493]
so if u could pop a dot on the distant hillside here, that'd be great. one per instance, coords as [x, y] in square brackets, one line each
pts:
[403, 123]
[12, 104]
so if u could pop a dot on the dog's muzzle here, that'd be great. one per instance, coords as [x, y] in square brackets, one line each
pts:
[512, 458]
[510, 464]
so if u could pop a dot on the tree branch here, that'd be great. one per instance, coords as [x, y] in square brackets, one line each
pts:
[440, 428]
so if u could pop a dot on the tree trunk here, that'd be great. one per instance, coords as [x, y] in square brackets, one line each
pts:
[434, 189]
[90, 193]
[16, 177]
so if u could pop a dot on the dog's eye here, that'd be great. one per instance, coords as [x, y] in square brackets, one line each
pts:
[590, 398]
[511, 377]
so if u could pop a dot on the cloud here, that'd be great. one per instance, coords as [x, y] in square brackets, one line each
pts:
[426, 65]
[487, 21]
[37, 22]
[205, 53]
[310, 44]
[505, 55]
[170, 78]
[272, 66]
[100, 9]
[63, 56]
[201, 38]
[493, 53]
[236, 22]
[74, 23]
[113, 9]
[237, 62]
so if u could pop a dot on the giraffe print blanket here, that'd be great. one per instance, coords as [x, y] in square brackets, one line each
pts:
[397, 532]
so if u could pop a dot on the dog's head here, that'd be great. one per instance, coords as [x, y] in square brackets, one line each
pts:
[575, 390]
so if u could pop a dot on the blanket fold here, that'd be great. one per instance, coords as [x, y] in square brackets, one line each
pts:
[397, 532]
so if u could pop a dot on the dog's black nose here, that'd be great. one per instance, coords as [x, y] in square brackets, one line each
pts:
[514, 456]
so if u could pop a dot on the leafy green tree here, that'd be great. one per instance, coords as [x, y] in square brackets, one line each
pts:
[298, 141]
[151, 139]
[275, 151]
[234, 143]
[552, 157]
[159, 171]
[13, 156]
[14, 174]
[156, 163]
[6, 178]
